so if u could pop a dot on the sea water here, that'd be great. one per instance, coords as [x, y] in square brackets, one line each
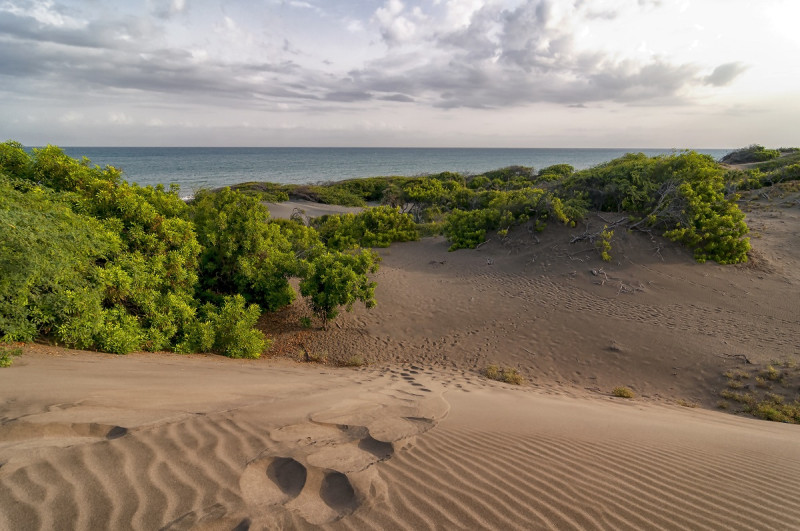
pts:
[201, 167]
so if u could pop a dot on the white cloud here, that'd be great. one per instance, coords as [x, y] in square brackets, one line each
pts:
[119, 118]
[44, 12]
[70, 117]
[178, 6]
[395, 26]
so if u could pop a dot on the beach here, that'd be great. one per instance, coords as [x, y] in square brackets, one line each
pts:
[417, 437]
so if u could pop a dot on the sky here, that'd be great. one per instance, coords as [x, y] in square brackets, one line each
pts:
[401, 73]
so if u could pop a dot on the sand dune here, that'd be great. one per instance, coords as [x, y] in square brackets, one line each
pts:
[260, 446]
[418, 439]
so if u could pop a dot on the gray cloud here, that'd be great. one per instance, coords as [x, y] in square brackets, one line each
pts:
[725, 74]
[348, 96]
[501, 58]
[512, 57]
[397, 97]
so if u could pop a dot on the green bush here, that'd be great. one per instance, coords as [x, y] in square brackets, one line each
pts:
[336, 279]
[47, 252]
[242, 251]
[751, 153]
[704, 219]
[467, 229]
[555, 172]
[94, 262]
[374, 227]
[234, 333]
[7, 355]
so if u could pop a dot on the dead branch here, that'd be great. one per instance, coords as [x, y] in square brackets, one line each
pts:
[735, 356]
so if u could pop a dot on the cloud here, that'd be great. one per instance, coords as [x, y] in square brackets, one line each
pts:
[725, 74]
[396, 25]
[521, 55]
[397, 97]
[480, 54]
[348, 96]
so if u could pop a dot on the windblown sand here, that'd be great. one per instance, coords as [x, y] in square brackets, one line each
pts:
[418, 439]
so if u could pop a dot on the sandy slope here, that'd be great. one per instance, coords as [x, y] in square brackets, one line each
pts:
[418, 439]
[285, 209]
[218, 444]
[653, 319]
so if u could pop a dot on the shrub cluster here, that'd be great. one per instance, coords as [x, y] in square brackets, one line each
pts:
[784, 169]
[94, 262]
[751, 153]
[374, 227]
[682, 195]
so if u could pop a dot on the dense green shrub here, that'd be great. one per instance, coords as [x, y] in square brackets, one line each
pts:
[751, 153]
[336, 279]
[467, 229]
[95, 262]
[681, 194]
[242, 252]
[269, 192]
[47, 253]
[704, 219]
[555, 172]
[627, 184]
[374, 227]
[784, 169]
[233, 325]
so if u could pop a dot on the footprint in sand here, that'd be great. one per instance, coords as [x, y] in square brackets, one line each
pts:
[322, 469]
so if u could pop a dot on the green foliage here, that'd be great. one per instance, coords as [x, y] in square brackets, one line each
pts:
[227, 330]
[628, 183]
[95, 262]
[708, 223]
[234, 332]
[7, 355]
[604, 243]
[374, 227]
[751, 153]
[681, 194]
[242, 252]
[269, 192]
[14, 161]
[784, 169]
[775, 410]
[46, 252]
[467, 229]
[510, 177]
[555, 172]
[334, 279]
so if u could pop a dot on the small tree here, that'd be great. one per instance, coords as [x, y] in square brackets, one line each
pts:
[333, 279]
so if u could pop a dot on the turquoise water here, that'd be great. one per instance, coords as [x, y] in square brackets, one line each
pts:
[195, 168]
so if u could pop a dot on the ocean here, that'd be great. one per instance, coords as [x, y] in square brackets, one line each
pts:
[196, 168]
